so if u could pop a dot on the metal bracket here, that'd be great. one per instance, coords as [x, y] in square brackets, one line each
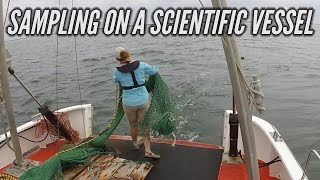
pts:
[276, 136]
[17, 171]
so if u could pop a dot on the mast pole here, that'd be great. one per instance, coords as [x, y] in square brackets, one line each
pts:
[240, 92]
[6, 96]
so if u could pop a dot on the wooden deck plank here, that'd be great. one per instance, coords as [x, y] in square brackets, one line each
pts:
[108, 167]
[111, 168]
[141, 171]
[94, 168]
[125, 170]
[73, 172]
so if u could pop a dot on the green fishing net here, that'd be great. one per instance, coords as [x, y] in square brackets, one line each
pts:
[160, 118]
[52, 168]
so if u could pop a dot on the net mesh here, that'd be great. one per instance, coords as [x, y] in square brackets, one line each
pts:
[161, 117]
[44, 126]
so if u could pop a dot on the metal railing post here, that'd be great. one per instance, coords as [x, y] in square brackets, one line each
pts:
[307, 162]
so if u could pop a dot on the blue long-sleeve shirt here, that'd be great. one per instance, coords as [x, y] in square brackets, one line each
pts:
[136, 96]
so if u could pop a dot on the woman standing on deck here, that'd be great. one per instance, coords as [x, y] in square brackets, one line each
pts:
[135, 98]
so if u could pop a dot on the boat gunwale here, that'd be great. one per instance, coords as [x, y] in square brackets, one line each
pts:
[172, 142]
[31, 124]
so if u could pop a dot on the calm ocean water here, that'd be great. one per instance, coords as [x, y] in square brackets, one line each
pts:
[196, 72]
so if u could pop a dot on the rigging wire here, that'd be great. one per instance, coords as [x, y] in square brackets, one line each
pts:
[34, 141]
[57, 63]
[7, 141]
[201, 3]
[78, 76]
[5, 17]
[5, 130]
[82, 110]
[79, 86]
[3, 117]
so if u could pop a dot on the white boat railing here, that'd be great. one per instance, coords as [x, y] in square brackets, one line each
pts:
[307, 162]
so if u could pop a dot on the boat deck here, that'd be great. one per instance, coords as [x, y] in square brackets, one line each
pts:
[187, 160]
[184, 161]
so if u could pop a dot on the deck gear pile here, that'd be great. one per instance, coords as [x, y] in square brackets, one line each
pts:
[161, 117]
[44, 126]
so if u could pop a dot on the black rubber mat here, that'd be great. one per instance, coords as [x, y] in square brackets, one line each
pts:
[179, 162]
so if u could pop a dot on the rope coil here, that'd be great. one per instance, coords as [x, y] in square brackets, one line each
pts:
[256, 94]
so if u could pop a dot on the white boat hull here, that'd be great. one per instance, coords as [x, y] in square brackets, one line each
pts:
[269, 145]
[80, 117]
